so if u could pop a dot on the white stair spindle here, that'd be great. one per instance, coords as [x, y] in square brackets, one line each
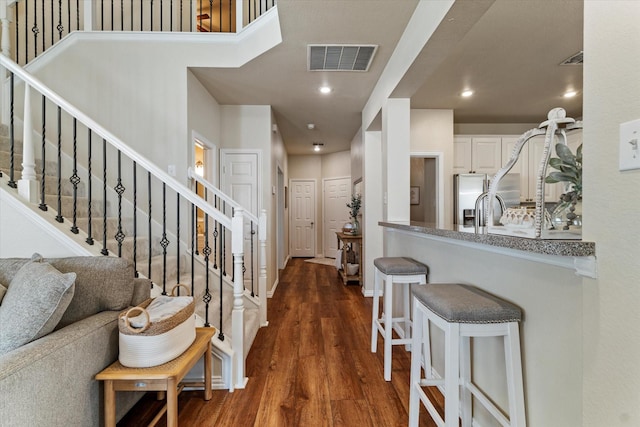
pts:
[27, 185]
[237, 316]
[262, 278]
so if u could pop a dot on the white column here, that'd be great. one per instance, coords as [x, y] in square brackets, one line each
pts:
[262, 278]
[373, 206]
[239, 15]
[88, 15]
[396, 145]
[27, 185]
[237, 314]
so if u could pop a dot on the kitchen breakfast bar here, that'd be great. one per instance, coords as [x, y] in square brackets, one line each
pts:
[542, 277]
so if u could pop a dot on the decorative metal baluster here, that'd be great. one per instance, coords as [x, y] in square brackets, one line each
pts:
[112, 27]
[131, 15]
[60, 28]
[59, 217]
[17, 38]
[223, 245]
[171, 15]
[230, 15]
[197, 252]
[77, 16]
[75, 179]
[215, 237]
[210, 15]
[104, 250]
[35, 30]
[12, 137]
[149, 224]
[121, 15]
[43, 203]
[164, 242]
[151, 15]
[102, 15]
[193, 244]
[89, 179]
[135, 217]
[141, 16]
[190, 16]
[161, 17]
[221, 279]
[44, 46]
[206, 251]
[119, 189]
[220, 14]
[178, 240]
[253, 235]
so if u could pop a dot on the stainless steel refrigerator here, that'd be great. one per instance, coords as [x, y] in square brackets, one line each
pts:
[467, 187]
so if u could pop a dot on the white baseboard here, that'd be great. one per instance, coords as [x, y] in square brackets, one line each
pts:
[273, 289]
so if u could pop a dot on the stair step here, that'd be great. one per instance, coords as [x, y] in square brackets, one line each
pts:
[5, 141]
[67, 206]
[97, 225]
[5, 164]
[142, 248]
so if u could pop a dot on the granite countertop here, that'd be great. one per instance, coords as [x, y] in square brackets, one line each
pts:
[569, 248]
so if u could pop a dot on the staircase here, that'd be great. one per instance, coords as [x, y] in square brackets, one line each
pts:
[128, 217]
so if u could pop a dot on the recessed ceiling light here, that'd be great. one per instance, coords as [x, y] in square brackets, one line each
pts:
[311, 126]
[317, 146]
[570, 94]
[325, 89]
[466, 93]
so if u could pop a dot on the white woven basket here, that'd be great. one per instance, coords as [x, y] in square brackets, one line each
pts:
[140, 351]
[157, 342]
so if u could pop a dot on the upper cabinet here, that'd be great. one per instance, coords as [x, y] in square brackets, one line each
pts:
[482, 154]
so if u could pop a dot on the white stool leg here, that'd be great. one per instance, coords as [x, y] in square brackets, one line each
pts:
[416, 361]
[375, 312]
[407, 313]
[465, 378]
[388, 325]
[452, 370]
[515, 384]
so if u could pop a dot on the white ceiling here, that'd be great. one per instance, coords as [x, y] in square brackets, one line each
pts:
[507, 51]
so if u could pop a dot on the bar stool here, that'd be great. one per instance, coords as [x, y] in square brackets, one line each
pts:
[398, 270]
[462, 312]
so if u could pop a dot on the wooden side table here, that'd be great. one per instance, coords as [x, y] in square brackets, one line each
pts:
[162, 378]
[350, 239]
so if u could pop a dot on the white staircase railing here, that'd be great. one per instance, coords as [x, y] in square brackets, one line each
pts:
[122, 193]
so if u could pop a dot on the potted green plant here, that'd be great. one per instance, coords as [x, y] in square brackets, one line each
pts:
[568, 212]
[354, 210]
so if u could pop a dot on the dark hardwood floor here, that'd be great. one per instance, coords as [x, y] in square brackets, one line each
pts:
[312, 366]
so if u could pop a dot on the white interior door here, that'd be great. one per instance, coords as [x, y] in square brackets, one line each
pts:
[302, 222]
[240, 172]
[335, 198]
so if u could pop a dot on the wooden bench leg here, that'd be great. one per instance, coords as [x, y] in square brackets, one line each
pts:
[109, 404]
[208, 362]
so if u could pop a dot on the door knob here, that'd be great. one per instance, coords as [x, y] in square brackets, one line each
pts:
[311, 222]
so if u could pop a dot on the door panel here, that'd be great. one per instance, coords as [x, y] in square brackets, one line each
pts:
[303, 208]
[336, 213]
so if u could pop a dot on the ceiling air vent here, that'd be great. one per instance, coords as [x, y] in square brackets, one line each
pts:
[340, 57]
[575, 59]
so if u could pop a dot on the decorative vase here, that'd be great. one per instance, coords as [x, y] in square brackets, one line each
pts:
[356, 225]
[567, 215]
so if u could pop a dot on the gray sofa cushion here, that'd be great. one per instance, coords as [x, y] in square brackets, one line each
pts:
[35, 301]
[3, 290]
[102, 283]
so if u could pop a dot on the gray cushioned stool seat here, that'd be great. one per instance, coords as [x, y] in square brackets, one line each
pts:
[399, 266]
[458, 303]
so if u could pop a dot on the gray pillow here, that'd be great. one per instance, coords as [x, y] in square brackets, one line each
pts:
[34, 303]
[3, 290]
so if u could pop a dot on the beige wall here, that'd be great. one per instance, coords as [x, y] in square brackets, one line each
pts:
[318, 167]
[432, 131]
[611, 199]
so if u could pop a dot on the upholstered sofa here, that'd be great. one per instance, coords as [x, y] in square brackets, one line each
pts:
[50, 380]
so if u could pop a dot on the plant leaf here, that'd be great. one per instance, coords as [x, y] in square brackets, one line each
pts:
[563, 176]
[565, 154]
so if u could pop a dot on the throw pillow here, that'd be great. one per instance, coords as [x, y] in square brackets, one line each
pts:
[34, 303]
[3, 290]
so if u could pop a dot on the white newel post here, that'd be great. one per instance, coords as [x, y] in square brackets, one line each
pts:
[262, 278]
[237, 315]
[27, 185]
[5, 46]
[239, 16]
[88, 15]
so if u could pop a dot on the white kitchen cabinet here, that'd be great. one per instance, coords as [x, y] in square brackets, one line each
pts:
[527, 166]
[481, 154]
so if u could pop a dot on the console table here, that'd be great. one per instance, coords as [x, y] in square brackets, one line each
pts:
[162, 378]
[350, 240]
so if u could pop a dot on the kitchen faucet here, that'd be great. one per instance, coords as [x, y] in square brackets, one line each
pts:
[480, 198]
